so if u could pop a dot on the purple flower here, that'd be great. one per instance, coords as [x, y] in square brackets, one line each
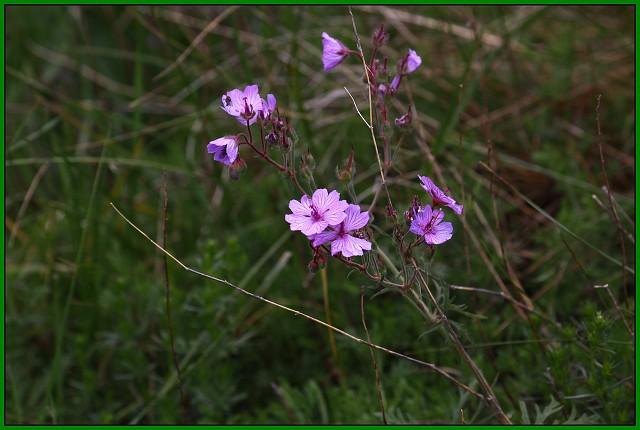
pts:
[224, 149]
[393, 88]
[428, 224]
[341, 241]
[244, 105]
[333, 52]
[438, 196]
[412, 61]
[270, 104]
[313, 215]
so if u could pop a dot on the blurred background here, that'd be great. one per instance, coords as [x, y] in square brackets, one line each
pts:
[101, 101]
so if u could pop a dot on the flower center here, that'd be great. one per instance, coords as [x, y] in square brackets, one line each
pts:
[432, 222]
[248, 110]
[317, 216]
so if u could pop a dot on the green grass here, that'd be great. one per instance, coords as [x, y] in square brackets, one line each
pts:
[91, 118]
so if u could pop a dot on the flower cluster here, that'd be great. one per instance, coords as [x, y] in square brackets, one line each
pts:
[248, 108]
[407, 65]
[334, 52]
[324, 218]
[426, 220]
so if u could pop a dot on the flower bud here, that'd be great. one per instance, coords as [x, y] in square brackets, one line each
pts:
[309, 160]
[379, 36]
[391, 213]
[307, 165]
[314, 267]
[321, 259]
[237, 168]
[349, 170]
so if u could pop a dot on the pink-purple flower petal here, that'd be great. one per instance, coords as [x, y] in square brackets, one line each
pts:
[349, 246]
[428, 224]
[244, 105]
[333, 52]
[438, 196]
[413, 61]
[312, 216]
[224, 149]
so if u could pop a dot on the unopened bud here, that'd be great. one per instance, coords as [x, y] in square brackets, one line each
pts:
[391, 212]
[307, 165]
[379, 36]
[284, 144]
[237, 168]
[309, 160]
[322, 260]
[314, 266]
[349, 170]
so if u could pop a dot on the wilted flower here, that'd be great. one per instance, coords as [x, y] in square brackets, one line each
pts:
[244, 105]
[404, 120]
[428, 223]
[438, 196]
[313, 215]
[341, 241]
[224, 149]
[333, 52]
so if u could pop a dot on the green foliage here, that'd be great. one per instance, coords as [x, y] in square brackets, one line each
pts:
[92, 118]
[545, 416]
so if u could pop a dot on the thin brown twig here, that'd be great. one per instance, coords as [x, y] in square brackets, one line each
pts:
[518, 289]
[373, 357]
[617, 307]
[27, 199]
[430, 366]
[465, 240]
[509, 299]
[490, 398]
[613, 207]
[369, 124]
[197, 40]
[165, 266]
[608, 211]
[327, 311]
[276, 389]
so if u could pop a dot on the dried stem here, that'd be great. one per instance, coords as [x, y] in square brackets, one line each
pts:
[613, 207]
[489, 398]
[327, 311]
[617, 307]
[373, 358]
[369, 124]
[508, 298]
